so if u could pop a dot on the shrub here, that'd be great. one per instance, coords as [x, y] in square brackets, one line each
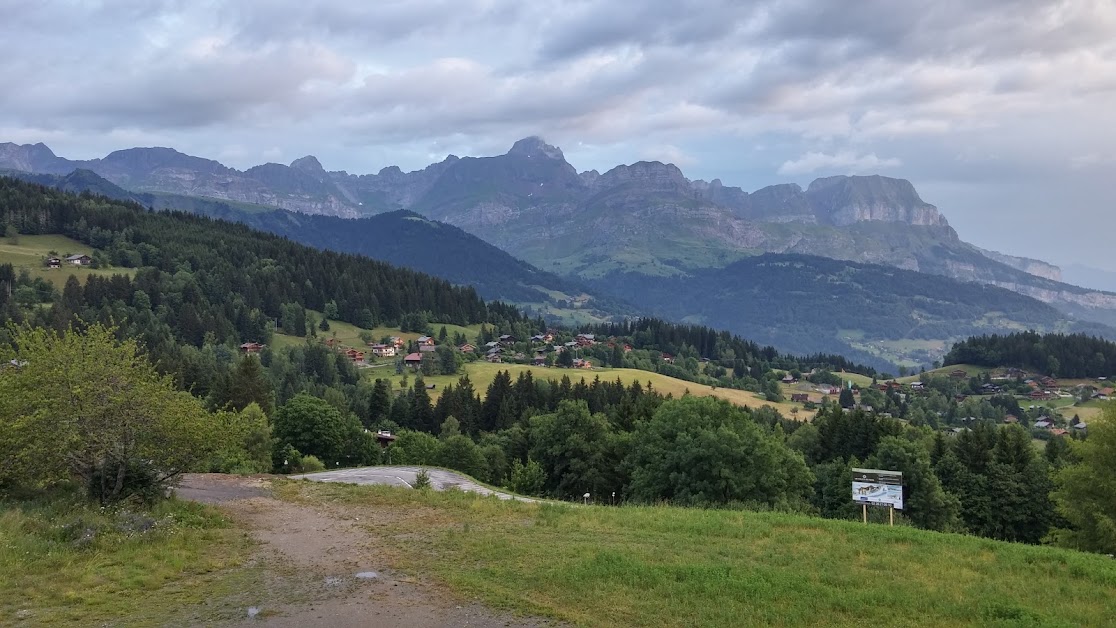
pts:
[311, 464]
[422, 479]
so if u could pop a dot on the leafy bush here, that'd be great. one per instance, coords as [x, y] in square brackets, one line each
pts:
[311, 464]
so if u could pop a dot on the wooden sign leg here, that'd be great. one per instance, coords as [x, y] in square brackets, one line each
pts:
[891, 515]
[864, 510]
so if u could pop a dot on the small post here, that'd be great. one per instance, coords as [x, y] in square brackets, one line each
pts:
[864, 510]
[891, 515]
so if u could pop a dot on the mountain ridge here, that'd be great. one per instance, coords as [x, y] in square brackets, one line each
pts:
[644, 217]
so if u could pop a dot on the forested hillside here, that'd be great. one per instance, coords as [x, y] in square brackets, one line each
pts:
[1059, 355]
[873, 314]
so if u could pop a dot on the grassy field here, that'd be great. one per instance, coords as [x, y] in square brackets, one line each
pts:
[62, 563]
[481, 375]
[349, 334]
[661, 566]
[29, 251]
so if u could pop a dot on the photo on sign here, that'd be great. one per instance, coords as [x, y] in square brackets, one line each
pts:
[878, 488]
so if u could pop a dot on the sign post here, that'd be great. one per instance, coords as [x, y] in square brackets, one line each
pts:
[878, 488]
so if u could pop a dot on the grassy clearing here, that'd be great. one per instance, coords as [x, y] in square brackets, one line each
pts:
[31, 249]
[63, 562]
[661, 566]
[481, 375]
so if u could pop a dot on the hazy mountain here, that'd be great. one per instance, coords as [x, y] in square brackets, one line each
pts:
[873, 314]
[645, 218]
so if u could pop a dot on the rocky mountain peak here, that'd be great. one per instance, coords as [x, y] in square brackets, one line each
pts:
[844, 200]
[652, 174]
[534, 146]
[309, 164]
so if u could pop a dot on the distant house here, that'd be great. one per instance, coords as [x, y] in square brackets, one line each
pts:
[425, 340]
[494, 358]
[1011, 418]
[539, 360]
[381, 350]
[54, 262]
[355, 355]
[1059, 431]
[413, 360]
[800, 398]
[397, 341]
[1080, 426]
[1042, 394]
[79, 260]
[668, 358]
[467, 348]
[251, 347]
[989, 389]
[958, 374]
[582, 364]
[789, 379]
[1043, 424]
[507, 339]
[585, 340]
[427, 348]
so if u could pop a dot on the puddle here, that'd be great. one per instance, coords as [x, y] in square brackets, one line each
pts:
[367, 575]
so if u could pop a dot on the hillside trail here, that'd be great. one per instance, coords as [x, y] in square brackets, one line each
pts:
[329, 568]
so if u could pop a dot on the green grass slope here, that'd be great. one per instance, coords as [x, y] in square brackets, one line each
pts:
[662, 566]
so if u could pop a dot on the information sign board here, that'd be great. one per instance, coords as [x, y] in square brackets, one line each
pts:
[878, 487]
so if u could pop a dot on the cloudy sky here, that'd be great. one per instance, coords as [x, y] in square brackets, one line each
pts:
[1002, 113]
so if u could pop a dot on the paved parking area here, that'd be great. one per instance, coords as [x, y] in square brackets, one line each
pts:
[440, 479]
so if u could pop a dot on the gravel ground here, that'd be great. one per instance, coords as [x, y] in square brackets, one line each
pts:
[440, 479]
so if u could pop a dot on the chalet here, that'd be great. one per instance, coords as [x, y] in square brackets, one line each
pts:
[491, 345]
[829, 390]
[1080, 426]
[79, 260]
[413, 360]
[1104, 394]
[425, 340]
[789, 379]
[989, 389]
[507, 339]
[397, 341]
[1058, 432]
[668, 358]
[539, 360]
[627, 348]
[800, 398]
[582, 364]
[427, 348]
[1043, 423]
[915, 386]
[1011, 418]
[1048, 382]
[539, 338]
[571, 344]
[1042, 394]
[54, 262]
[354, 355]
[251, 347]
[585, 340]
[467, 348]
[381, 350]
[332, 342]
[494, 358]
[958, 374]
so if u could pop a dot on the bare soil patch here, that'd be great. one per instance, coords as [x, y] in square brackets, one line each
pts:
[326, 565]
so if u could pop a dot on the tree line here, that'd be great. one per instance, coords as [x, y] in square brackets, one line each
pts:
[1058, 355]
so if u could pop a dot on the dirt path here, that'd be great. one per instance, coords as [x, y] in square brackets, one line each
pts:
[328, 568]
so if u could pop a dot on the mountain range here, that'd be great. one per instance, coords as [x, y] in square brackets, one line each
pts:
[576, 228]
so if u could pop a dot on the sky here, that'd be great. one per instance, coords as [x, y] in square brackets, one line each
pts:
[1003, 114]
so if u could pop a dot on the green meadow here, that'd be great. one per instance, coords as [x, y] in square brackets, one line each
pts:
[664, 566]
